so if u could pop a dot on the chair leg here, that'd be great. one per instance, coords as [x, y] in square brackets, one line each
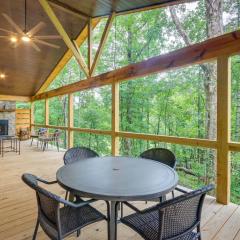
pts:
[32, 142]
[44, 146]
[121, 205]
[162, 199]
[57, 146]
[35, 231]
[199, 231]
[173, 195]
[108, 219]
[66, 195]
[78, 233]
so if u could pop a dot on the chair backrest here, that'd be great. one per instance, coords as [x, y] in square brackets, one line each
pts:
[180, 216]
[57, 133]
[42, 131]
[48, 203]
[78, 153]
[162, 155]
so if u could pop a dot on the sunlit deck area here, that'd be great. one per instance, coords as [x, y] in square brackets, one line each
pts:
[18, 209]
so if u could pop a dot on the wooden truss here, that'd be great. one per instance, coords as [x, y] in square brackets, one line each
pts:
[219, 49]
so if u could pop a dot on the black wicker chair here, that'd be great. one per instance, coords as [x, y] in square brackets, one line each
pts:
[175, 219]
[75, 154]
[41, 132]
[165, 156]
[58, 217]
[53, 138]
[162, 155]
[78, 153]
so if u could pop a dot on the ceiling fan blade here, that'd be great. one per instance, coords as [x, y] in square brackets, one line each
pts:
[35, 29]
[48, 37]
[7, 37]
[35, 46]
[46, 43]
[13, 24]
[16, 44]
[7, 31]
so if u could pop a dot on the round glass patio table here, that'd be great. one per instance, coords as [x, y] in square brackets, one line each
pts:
[117, 179]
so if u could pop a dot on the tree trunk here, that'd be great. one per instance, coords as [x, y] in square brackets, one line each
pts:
[214, 13]
[214, 28]
[127, 142]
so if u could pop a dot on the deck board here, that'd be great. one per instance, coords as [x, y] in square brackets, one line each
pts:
[18, 204]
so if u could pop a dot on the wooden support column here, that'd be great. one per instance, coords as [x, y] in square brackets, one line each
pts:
[32, 116]
[115, 119]
[46, 111]
[223, 128]
[70, 120]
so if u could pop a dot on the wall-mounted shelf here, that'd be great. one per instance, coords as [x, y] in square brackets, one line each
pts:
[7, 110]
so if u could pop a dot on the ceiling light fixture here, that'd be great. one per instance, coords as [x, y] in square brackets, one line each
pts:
[26, 36]
[2, 75]
[26, 39]
[13, 39]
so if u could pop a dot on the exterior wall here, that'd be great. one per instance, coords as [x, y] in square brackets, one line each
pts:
[10, 116]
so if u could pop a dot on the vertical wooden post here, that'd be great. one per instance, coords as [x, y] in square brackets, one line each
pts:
[223, 128]
[90, 31]
[32, 116]
[70, 120]
[115, 119]
[46, 111]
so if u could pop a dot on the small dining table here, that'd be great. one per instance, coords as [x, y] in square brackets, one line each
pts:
[117, 179]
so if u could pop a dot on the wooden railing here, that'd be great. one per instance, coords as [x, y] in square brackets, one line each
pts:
[219, 49]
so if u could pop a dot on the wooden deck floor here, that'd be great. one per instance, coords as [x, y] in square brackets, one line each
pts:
[18, 206]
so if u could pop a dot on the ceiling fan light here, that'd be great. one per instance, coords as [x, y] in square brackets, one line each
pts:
[26, 39]
[2, 75]
[13, 39]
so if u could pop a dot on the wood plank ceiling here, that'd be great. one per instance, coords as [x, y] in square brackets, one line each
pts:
[25, 68]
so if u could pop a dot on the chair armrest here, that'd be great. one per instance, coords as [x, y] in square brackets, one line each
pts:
[132, 207]
[46, 182]
[138, 211]
[78, 205]
[180, 190]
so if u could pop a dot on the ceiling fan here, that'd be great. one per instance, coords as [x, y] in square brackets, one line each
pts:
[24, 36]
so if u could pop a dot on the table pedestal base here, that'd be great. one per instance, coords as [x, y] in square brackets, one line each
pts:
[113, 220]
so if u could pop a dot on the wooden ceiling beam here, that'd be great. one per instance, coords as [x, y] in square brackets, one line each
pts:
[67, 56]
[71, 45]
[102, 42]
[84, 35]
[208, 50]
[15, 98]
[68, 9]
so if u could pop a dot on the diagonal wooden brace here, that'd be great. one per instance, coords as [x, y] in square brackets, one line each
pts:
[71, 45]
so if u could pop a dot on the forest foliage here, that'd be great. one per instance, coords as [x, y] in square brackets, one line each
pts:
[174, 103]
